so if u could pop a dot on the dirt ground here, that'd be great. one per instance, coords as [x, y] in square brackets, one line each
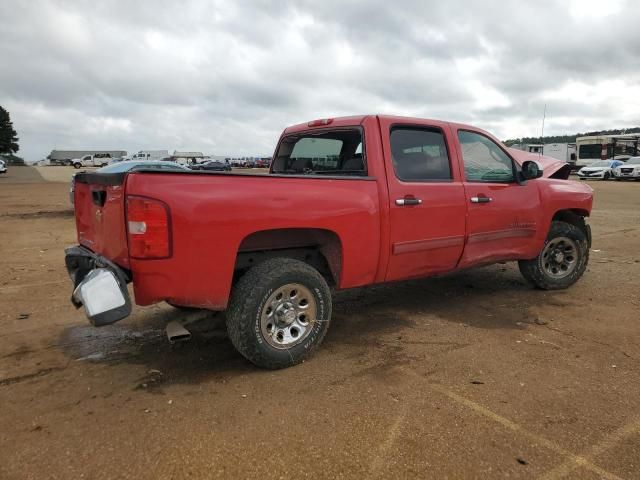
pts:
[473, 375]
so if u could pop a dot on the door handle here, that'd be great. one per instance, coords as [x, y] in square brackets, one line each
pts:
[408, 201]
[481, 199]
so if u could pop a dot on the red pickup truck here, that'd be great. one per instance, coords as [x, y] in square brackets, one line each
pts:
[347, 202]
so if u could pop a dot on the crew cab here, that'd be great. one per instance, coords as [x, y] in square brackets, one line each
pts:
[348, 202]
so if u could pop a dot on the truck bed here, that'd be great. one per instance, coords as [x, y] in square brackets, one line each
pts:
[214, 215]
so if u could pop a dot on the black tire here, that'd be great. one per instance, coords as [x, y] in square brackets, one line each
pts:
[607, 175]
[77, 165]
[534, 270]
[248, 304]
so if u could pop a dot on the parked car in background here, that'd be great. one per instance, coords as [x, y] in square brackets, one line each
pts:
[237, 162]
[129, 166]
[630, 170]
[212, 165]
[425, 197]
[263, 163]
[3, 166]
[601, 170]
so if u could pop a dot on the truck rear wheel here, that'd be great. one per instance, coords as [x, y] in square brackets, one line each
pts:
[279, 313]
[561, 262]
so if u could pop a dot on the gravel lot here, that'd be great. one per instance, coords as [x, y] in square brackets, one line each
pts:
[470, 375]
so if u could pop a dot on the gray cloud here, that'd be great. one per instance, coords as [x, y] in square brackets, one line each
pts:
[226, 77]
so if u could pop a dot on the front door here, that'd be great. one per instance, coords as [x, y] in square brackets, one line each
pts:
[427, 204]
[503, 215]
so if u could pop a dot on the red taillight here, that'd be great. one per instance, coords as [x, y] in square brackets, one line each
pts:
[148, 228]
[320, 123]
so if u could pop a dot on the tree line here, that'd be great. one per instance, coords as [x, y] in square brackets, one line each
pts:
[8, 135]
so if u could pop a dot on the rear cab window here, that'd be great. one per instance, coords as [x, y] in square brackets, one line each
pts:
[419, 154]
[329, 152]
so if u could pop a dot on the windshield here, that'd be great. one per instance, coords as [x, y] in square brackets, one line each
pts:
[337, 152]
[633, 161]
[602, 163]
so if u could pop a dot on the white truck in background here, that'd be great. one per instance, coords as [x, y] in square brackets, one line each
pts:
[149, 155]
[94, 160]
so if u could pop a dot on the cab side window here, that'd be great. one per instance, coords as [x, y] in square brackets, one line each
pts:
[484, 160]
[419, 154]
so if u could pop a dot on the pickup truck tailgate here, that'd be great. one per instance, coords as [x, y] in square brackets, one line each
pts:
[99, 201]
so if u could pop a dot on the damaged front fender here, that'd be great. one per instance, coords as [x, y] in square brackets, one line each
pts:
[551, 167]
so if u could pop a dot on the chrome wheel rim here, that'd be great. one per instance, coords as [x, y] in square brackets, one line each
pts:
[559, 257]
[288, 316]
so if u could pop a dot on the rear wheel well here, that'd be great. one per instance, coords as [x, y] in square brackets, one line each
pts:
[319, 248]
[575, 217]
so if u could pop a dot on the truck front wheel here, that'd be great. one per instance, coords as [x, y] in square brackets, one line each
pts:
[77, 165]
[279, 313]
[562, 261]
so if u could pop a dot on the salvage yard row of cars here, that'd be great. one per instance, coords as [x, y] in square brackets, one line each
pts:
[214, 165]
[612, 169]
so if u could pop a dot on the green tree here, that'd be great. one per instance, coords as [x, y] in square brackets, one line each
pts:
[8, 136]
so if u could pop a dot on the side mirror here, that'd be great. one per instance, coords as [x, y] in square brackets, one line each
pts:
[531, 170]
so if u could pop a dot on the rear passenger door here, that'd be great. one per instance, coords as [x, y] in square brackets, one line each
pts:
[426, 200]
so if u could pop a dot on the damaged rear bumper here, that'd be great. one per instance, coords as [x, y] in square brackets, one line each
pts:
[99, 285]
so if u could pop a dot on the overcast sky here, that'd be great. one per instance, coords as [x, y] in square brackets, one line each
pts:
[225, 77]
